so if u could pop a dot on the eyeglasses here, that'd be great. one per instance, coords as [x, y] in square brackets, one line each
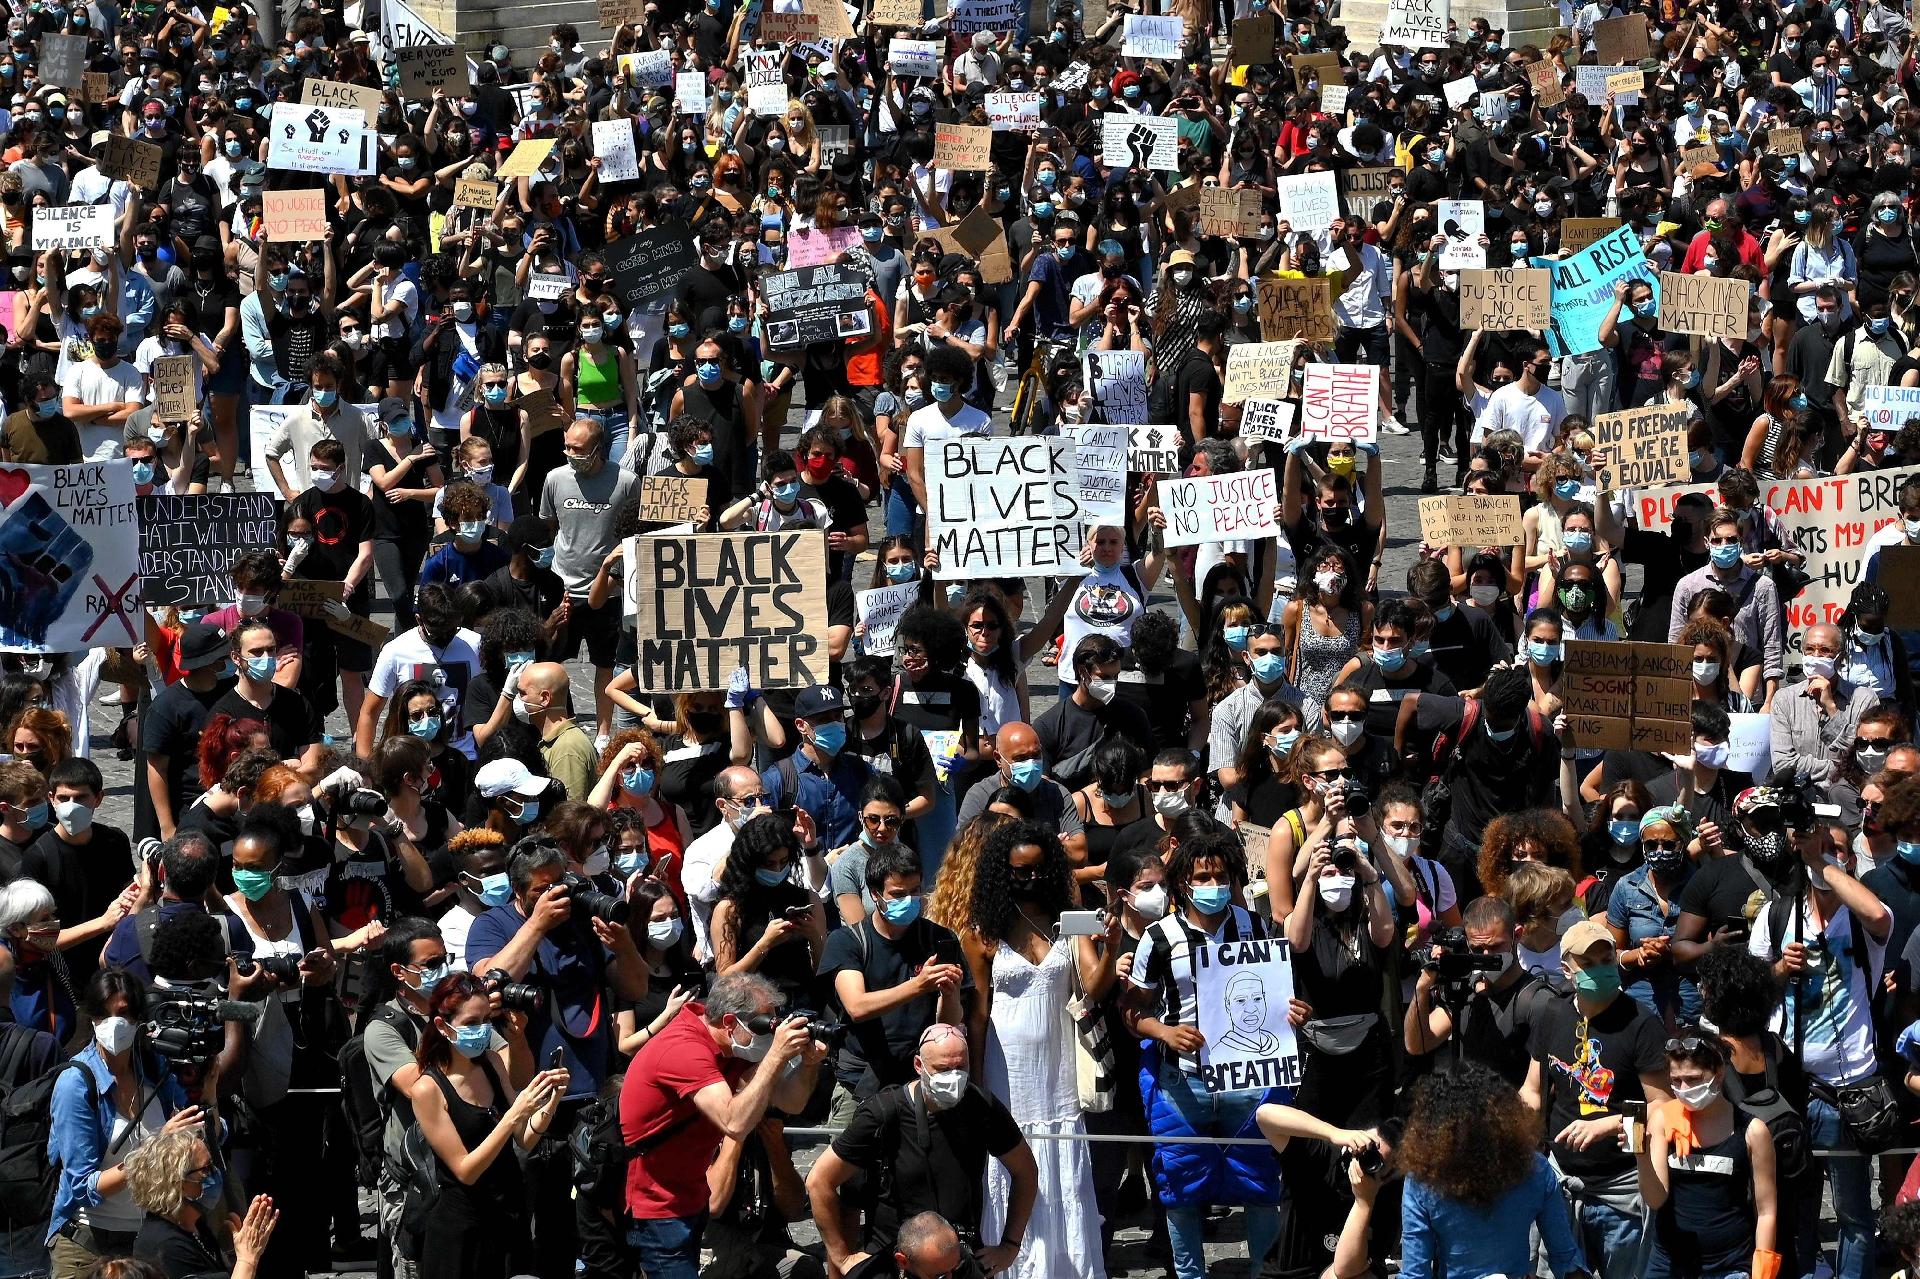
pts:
[882, 821]
[1723, 541]
[983, 627]
[1166, 788]
[1659, 845]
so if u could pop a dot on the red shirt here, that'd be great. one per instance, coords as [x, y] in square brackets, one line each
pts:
[670, 1179]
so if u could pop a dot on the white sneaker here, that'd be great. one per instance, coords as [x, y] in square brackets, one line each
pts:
[600, 743]
[1394, 426]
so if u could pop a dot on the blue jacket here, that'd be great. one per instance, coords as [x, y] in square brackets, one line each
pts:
[81, 1125]
[1441, 1236]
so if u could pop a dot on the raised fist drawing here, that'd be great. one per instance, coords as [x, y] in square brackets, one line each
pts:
[317, 125]
[1140, 142]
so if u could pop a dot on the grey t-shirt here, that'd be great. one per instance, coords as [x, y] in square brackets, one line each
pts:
[1052, 804]
[583, 506]
[387, 1051]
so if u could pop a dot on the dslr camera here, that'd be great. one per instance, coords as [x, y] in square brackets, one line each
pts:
[284, 969]
[596, 904]
[359, 803]
[1354, 792]
[826, 1032]
[515, 996]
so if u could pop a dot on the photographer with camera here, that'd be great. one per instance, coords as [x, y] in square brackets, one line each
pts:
[925, 1145]
[690, 1086]
[560, 952]
[1472, 983]
[117, 1094]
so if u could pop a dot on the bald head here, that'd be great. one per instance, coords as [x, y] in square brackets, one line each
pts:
[737, 780]
[1823, 640]
[926, 1245]
[1016, 741]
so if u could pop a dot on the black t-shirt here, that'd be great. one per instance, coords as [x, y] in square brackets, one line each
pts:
[341, 521]
[207, 302]
[887, 1043]
[1165, 697]
[936, 1156]
[845, 513]
[1384, 691]
[1491, 777]
[83, 878]
[685, 778]
[540, 594]
[178, 1253]
[291, 724]
[1196, 377]
[171, 727]
[1589, 1066]
[1496, 1027]
[898, 751]
[1721, 890]
[938, 702]
[1466, 645]
[1068, 732]
[1356, 537]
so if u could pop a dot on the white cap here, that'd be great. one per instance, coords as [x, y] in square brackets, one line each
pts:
[499, 776]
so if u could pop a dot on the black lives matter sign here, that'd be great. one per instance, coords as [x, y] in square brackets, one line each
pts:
[706, 604]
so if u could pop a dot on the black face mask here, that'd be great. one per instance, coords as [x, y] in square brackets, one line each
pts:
[864, 704]
[541, 360]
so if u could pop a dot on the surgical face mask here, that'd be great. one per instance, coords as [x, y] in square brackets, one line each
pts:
[1697, 1097]
[637, 781]
[943, 1089]
[251, 605]
[1705, 672]
[703, 454]
[1542, 653]
[597, 863]
[1601, 981]
[115, 1035]
[1578, 540]
[253, 884]
[1401, 845]
[943, 391]
[1281, 744]
[901, 572]
[1102, 690]
[1566, 489]
[471, 1041]
[1211, 899]
[427, 729]
[1236, 637]
[1624, 830]
[590, 333]
[1268, 667]
[1724, 556]
[1816, 667]
[1485, 594]
[1026, 773]
[772, 875]
[1389, 658]
[260, 667]
[1712, 754]
[496, 889]
[143, 473]
[325, 398]
[472, 530]
[1336, 891]
[901, 911]
[755, 1048]
[831, 738]
[1170, 804]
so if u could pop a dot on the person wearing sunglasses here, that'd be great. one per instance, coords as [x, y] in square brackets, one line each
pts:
[1644, 905]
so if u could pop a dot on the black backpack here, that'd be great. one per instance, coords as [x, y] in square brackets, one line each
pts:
[1792, 1144]
[27, 1173]
[366, 1104]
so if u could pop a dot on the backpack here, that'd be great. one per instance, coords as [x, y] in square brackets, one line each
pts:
[1436, 798]
[27, 1172]
[601, 1151]
[1792, 1144]
[366, 1105]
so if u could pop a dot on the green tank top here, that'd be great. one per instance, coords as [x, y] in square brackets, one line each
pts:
[599, 384]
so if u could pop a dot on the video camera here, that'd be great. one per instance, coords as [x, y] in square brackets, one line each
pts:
[1456, 962]
[186, 1024]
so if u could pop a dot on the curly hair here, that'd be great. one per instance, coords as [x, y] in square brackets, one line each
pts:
[1469, 1137]
[753, 845]
[1543, 826]
[1900, 1228]
[950, 904]
[650, 755]
[934, 629]
[994, 904]
[221, 741]
[1557, 466]
[1198, 837]
[1738, 990]
[156, 1168]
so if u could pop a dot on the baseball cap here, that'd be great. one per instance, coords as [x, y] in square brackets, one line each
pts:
[822, 701]
[202, 645]
[393, 409]
[499, 776]
[1584, 936]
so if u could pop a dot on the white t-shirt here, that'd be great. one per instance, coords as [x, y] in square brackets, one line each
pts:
[90, 384]
[929, 425]
[408, 656]
[1534, 416]
[1105, 602]
[407, 293]
[1837, 1019]
[454, 927]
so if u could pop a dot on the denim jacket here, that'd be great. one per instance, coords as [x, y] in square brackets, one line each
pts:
[80, 1132]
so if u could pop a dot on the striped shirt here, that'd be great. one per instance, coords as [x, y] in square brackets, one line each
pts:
[1163, 962]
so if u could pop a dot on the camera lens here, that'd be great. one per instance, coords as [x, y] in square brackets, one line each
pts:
[515, 996]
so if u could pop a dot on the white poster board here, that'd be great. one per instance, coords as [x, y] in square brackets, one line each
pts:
[1341, 402]
[1416, 24]
[1462, 222]
[1242, 990]
[73, 226]
[1219, 508]
[1004, 507]
[69, 558]
[1267, 420]
[613, 143]
[1148, 36]
[880, 608]
[1309, 201]
[1140, 141]
[1750, 744]
[313, 139]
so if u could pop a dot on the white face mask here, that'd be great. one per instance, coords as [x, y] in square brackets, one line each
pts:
[307, 818]
[1336, 891]
[1816, 667]
[1484, 593]
[1150, 903]
[1170, 803]
[1348, 731]
[1401, 845]
[943, 1089]
[597, 862]
[755, 1048]
[521, 711]
[1697, 1097]
[1102, 690]
[74, 817]
[665, 932]
[114, 1035]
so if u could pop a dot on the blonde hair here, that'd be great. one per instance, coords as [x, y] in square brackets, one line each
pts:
[156, 1170]
[950, 904]
[805, 136]
[1537, 890]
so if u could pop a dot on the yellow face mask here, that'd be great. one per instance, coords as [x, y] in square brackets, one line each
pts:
[1342, 465]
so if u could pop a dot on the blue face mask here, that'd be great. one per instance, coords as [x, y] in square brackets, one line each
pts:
[1026, 773]
[1064, 252]
[213, 1186]
[325, 399]
[261, 667]
[1646, 310]
[1043, 209]
[37, 815]
[48, 407]
[1282, 743]
[736, 324]
[1566, 490]
[1389, 659]
[771, 877]
[1132, 91]
[426, 729]
[1542, 653]
[1269, 667]
[1724, 556]
[1802, 217]
[496, 890]
[1442, 613]
[901, 910]
[1887, 216]
[1236, 637]
[1243, 304]
[1624, 831]
[637, 781]
[709, 371]
[872, 234]
[1877, 325]
[703, 455]
[679, 330]
[1799, 402]
[943, 391]
[143, 472]
[1047, 178]
[902, 572]
[471, 1041]
[431, 977]
[543, 557]
[494, 395]
[630, 864]
[1211, 899]
[786, 492]
[831, 738]
[1501, 734]
[1579, 541]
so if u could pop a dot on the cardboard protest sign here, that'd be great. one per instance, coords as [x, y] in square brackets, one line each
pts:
[1139, 141]
[174, 387]
[1641, 448]
[1361, 189]
[343, 97]
[1296, 309]
[962, 146]
[879, 611]
[1253, 42]
[672, 499]
[704, 604]
[1153, 450]
[69, 558]
[1471, 519]
[613, 143]
[1309, 201]
[1583, 288]
[1241, 992]
[816, 304]
[1116, 384]
[295, 216]
[426, 67]
[1013, 112]
[651, 262]
[1637, 695]
[1146, 36]
[789, 25]
[917, 58]
[1621, 40]
[614, 14]
[1219, 508]
[63, 59]
[526, 158]
[1229, 212]
[899, 13]
[1341, 402]
[314, 139]
[1506, 298]
[1544, 76]
[1004, 507]
[1578, 233]
[1703, 304]
[979, 237]
[1259, 369]
[73, 226]
[96, 87]
[1621, 83]
[1416, 24]
[1784, 141]
[1270, 420]
[1100, 472]
[1319, 68]
[544, 412]
[188, 543]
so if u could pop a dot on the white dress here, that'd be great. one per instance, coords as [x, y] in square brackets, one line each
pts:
[1030, 1067]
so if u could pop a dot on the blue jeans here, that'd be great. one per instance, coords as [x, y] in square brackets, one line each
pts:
[1851, 1177]
[615, 421]
[1613, 1239]
[903, 513]
[668, 1247]
[1209, 1114]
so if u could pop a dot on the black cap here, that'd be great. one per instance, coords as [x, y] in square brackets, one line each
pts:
[202, 645]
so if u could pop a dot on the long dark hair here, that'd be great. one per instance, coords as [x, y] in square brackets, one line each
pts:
[994, 905]
[753, 845]
[1256, 761]
[436, 1050]
[1001, 660]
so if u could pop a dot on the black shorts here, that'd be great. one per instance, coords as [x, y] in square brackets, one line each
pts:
[599, 628]
[390, 360]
